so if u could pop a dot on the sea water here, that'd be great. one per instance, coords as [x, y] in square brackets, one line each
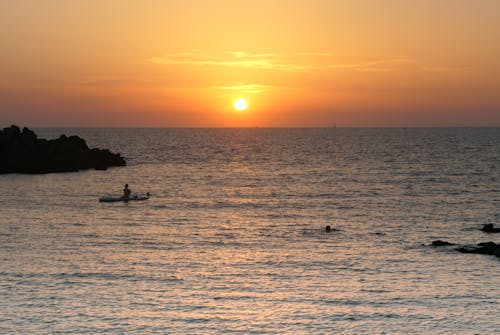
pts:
[233, 239]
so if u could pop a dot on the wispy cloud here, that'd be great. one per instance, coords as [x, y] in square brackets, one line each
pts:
[302, 62]
[234, 59]
[108, 80]
[247, 88]
[459, 71]
[379, 65]
[242, 54]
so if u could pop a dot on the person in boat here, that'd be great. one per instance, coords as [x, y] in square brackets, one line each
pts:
[126, 192]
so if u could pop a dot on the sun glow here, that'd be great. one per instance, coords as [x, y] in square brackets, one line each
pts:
[240, 104]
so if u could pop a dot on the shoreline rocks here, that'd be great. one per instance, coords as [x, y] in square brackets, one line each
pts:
[440, 243]
[490, 229]
[485, 248]
[21, 151]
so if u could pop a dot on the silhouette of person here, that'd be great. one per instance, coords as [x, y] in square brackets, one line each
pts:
[126, 192]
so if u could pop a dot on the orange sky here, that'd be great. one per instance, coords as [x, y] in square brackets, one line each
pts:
[182, 63]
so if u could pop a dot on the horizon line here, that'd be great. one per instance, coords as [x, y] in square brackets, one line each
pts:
[256, 127]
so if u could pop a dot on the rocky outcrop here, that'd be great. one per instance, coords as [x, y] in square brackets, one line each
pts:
[489, 228]
[440, 243]
[487, 248]
[21, 151]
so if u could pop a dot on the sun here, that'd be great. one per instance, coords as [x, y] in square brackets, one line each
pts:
[240, 104]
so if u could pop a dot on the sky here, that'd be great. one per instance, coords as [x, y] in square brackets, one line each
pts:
[182, 63]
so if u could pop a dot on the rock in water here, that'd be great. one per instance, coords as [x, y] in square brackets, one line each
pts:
[23, 152]
[486, 248]
[489, 228]
[440, 243]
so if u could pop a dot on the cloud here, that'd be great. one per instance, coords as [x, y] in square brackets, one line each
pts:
[108, 80]
[247, 88]
[379, 65]
[280, 62]
[302, 62]
[234, 59]
[460, 71]
[242, 54]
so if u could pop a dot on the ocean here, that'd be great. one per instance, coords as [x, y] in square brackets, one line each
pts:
[233, 241]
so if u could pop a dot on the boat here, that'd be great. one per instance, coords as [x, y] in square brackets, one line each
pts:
[118, 199]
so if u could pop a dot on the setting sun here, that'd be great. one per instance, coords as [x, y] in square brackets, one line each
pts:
[240, 104]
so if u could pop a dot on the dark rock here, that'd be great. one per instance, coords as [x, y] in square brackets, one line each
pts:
[28, 135]
[12, 131]
[23, 152]
[439, 243]
[487, 248]
[489, 228]
[466, 249]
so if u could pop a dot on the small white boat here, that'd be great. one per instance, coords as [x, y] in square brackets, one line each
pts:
[117, 199]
